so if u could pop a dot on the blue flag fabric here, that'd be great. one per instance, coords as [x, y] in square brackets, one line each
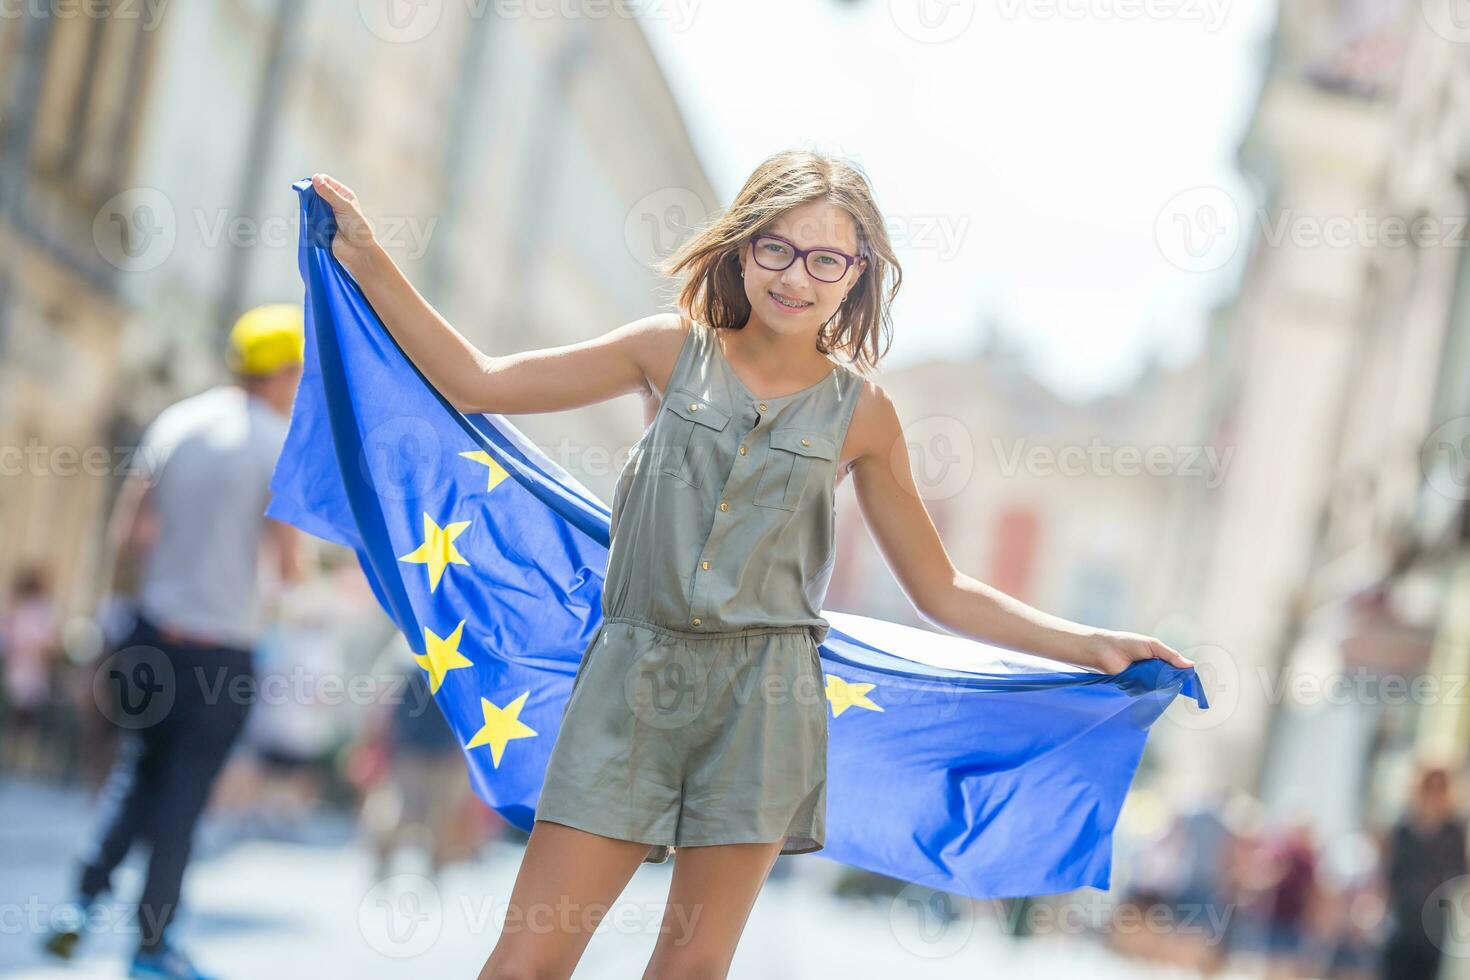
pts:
[960, 766]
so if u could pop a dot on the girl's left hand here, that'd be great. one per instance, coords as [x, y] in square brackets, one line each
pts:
[1111, 651]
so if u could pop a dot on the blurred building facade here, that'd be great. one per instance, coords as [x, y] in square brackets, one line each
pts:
[1282, 353]
[527, 171]
[69, 128]
[1352, 354]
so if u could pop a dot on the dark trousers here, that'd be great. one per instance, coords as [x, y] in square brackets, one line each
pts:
[181, 707]
[1410, 958]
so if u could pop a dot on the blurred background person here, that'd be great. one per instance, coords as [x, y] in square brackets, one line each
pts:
[411, 767]
[1425, 857]
[1180, 877]
[1277, 897]
[302, 718]
[1352, 909]
[1200, 901]
[28, 644]
[1291, 907]
[194, 516]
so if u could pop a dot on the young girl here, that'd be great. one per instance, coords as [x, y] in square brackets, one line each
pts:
[715, 584]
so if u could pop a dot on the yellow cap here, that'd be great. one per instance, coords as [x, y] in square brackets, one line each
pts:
[267, 339]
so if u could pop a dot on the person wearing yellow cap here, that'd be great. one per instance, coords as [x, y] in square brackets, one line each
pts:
[192, 513]
[267, 347]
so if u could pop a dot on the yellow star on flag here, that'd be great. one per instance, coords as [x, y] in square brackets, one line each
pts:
[843, 695]
[497, 472]
[442, 657]
[501, 725]
[438, 550]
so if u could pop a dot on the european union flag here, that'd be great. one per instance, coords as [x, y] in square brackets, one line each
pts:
[965, 767]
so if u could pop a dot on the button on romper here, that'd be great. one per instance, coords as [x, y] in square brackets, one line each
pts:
[698, 714]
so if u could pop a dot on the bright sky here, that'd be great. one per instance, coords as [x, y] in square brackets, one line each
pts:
[1024, 156]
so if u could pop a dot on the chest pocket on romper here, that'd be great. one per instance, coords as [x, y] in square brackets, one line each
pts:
[789, 466]
[692, 425]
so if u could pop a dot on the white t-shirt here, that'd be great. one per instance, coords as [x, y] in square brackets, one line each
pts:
[210, 460]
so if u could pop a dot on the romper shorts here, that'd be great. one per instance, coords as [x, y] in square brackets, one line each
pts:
[675, 738]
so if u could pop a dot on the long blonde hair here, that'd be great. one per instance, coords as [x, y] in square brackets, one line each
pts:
[709, 262]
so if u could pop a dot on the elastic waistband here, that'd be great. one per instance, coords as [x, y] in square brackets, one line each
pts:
[710, 634]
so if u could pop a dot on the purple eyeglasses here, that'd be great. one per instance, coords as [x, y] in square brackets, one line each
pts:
[773, 252]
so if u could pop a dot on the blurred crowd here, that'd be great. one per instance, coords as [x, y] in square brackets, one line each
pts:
[1229, 889]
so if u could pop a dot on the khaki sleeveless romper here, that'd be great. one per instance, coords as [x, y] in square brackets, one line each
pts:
[699, 714]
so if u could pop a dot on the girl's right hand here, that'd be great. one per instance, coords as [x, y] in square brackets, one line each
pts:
[354, 241]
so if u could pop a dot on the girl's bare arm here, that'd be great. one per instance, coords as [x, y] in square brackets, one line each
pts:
[900, 524]
[546, 380]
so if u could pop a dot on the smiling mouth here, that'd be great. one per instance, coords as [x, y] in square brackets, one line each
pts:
[790, 304]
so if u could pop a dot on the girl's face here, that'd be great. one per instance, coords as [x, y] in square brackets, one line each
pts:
[808, 301]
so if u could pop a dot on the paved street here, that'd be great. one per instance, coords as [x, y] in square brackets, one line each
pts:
[260, 908]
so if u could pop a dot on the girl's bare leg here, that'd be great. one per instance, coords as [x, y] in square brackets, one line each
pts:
[713, 891]
[567, 882]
